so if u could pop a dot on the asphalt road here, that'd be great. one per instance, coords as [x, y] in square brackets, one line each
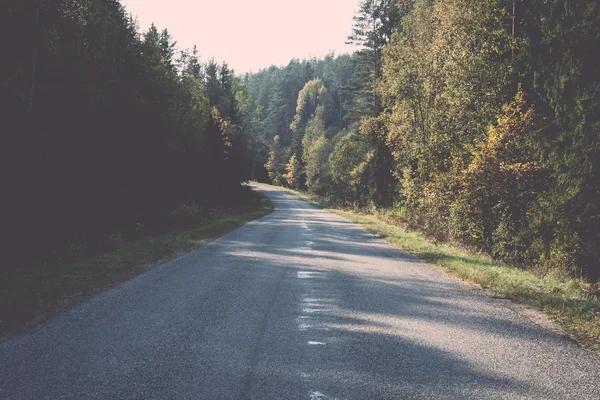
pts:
[301, 304]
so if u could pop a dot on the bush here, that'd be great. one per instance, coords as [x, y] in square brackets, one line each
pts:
[187, 215]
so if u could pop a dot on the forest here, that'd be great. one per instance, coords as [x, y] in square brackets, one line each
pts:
[112, 134]
[476, 122]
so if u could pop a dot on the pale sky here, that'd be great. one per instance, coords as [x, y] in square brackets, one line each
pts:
[252, 34]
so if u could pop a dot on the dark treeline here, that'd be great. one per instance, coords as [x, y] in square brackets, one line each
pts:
[475, 121]
[110, 133]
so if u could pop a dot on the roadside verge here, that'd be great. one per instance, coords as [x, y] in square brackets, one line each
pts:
[568, 301]
[30, 297]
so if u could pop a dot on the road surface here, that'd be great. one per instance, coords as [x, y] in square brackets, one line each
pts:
[301, 304]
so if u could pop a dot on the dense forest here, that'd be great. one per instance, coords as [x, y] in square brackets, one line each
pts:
[474, 121]
[112, 134]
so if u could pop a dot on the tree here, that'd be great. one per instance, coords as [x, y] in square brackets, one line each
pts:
[191, 65]
[112, 114]
[253, 126]
[351, 170]
[499, 186]
[226, 102]
[447, 135]
[561, 73]
[293, 173]
[445, 75]
[276, 164]
[308, 100]
[213, 84]
[317, 167]
[167, 48]
[374, 25]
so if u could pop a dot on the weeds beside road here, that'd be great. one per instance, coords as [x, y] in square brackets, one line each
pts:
[27, 297]
[565, 299]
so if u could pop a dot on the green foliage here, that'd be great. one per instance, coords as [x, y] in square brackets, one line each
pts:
[561, 71]
[351, 170]
[108, 130]
[317, 167]
[315, 130]
[251, 125]
[499, 185]
[374, 24]
[121, 261]
[444, 79]
[308, 100]
[523, 189]
[293, 173]
[285, 113]
[187, 215]
[434, 101]
[276, 164]
[571, 302]
[376, 131]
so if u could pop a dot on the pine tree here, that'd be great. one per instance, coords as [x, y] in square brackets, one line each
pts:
[167, 47]
[374, 25]
[213, 84]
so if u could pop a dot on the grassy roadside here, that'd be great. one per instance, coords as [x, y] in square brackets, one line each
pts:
[564, 299]
[29, 298]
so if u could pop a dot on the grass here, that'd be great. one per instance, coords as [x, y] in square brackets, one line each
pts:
[563, 298]
[29, 298]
